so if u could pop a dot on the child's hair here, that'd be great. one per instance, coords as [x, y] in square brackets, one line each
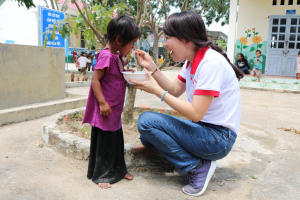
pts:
[298, 53]
[258, 51]
[189, 26]
[242, 56]
[123, 26]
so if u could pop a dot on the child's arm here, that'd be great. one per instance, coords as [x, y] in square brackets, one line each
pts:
[105, 109]
[259, 59]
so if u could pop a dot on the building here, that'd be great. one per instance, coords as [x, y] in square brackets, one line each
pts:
[272, 26]
[19, 25]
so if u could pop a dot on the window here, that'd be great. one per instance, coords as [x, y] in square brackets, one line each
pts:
[82, 42]
[285, 2]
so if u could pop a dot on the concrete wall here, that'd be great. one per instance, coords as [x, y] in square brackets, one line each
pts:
[30, 74]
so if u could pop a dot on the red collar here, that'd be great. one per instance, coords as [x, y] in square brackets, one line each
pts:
[198, 58]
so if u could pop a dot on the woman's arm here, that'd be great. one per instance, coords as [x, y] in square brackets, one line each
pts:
[176, 88]
[194, 111]
[105, 109]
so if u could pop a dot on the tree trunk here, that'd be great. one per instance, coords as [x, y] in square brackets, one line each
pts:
[155, 48]
[52, 4]
[129, 105]
[166, 59]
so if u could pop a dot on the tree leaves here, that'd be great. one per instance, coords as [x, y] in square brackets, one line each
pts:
[28, 3]
[52, 36]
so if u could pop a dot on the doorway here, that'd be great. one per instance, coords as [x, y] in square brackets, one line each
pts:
[283, 45]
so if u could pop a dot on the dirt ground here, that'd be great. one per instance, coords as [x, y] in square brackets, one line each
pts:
[73, 124]
[263, 164]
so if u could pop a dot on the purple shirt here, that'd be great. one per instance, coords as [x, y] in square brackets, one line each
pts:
[113, 87]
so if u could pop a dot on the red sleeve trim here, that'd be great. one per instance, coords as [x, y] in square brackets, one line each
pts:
[207, 92]
[181, 79]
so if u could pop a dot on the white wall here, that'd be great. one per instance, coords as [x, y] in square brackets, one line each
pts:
[20, 24]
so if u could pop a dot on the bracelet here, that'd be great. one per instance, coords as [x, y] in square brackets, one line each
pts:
[163, 95]
[154, 71]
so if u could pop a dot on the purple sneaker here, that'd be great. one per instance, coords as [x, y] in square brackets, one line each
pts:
[199, 178]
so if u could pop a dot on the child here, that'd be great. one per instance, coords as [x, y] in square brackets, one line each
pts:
[298, 66]
[105, 104]
[258, 65]
[94, 61]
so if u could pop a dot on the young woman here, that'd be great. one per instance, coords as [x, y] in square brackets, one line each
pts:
[214, 102]
[243, 64]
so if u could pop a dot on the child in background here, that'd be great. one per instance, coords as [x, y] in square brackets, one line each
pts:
[94, 61]
[298, 66]
[105, 104]
[258, 65]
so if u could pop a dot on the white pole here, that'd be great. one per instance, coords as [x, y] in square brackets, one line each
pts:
[232, 30]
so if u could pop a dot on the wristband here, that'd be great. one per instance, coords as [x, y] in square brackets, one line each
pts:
[163, 95]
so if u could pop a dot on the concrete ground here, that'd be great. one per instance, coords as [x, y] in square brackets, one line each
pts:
[264, 163]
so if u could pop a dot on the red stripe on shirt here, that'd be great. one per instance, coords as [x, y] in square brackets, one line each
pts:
[207, 92]
[181, 79]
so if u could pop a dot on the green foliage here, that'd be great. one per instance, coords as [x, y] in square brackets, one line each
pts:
[27, 3]
[99, 16]
[211, 10]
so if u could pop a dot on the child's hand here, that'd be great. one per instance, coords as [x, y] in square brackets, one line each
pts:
[105, 109]
[130, 70]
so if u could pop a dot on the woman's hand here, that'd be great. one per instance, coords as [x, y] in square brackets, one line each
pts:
[145, 60]
[105, 109]
[150, 86]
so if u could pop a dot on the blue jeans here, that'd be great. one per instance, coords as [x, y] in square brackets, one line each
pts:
[245, 70]
[184, 142]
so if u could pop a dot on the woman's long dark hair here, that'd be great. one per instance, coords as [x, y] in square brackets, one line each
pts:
[189, 26]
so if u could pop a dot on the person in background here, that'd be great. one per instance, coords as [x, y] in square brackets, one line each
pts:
[243, 64]
[74, 53]
[160, 60]
[298, 66]
[88, 65]
[258, 65]
[83, 63]
[94, 61]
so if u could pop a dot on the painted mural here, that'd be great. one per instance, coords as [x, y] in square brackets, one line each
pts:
[243, 46]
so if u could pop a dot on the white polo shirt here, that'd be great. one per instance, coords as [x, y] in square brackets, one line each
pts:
[211, 74]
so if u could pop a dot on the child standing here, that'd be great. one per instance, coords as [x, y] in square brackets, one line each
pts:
[258, 65]
[298, 66]
[105, 104]
[94, 61]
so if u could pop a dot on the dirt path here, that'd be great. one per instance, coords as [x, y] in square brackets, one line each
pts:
[262, 151]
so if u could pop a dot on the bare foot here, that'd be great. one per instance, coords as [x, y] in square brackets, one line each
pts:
[104, 185]
[128, 176]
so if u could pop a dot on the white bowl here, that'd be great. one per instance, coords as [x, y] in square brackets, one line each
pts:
[137, 76]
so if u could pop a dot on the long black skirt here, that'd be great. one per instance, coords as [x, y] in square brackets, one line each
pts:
[106, 161]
